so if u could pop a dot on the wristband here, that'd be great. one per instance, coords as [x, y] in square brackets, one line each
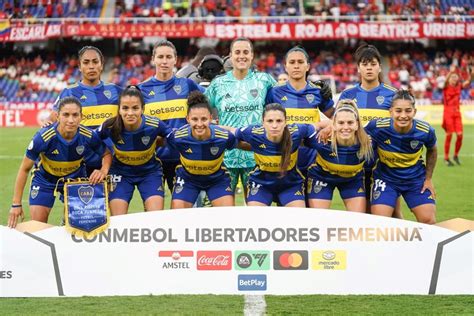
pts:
[16, 205]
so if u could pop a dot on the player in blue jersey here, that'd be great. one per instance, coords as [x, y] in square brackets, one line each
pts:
[275, 144]
[201, 146]
[165, 98]
[302, 99]
[134, 136]
[340, 162]
[373, 98]
[59, 151]
[99, 100]
[400, 170]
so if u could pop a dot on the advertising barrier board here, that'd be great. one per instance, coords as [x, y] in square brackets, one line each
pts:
[240, 250]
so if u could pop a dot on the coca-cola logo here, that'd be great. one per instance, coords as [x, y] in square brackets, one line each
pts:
[214, 260]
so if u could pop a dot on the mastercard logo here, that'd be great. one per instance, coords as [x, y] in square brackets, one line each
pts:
[290, 260]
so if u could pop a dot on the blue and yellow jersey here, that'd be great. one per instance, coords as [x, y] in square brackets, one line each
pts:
[372, 104]
[166, 100]
[267, 153]
[56, 157]
[134, 153]
[202, 160]
[303, 106]
[98, 103]
[400, 155]
[347, 163]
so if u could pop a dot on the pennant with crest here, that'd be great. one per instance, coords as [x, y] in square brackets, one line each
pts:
[86, 207]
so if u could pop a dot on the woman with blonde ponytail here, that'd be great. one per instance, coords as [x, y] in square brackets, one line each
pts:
[340, 162]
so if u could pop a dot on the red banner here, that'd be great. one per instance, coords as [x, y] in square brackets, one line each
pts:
[19, 114]
[257, 31]
[28, 33]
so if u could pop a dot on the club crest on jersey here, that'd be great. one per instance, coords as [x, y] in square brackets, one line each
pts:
[380, 99]
[254, 93]
[414, 144]
[214, 150]
[145, 140]
[254, 188]
[86, 193]
[310, 98]
[34, 191]
[108, 94]
[177, 89]
[80, 150]
[376, 195]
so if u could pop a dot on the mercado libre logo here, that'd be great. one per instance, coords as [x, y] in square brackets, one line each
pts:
[252, 260]
[328, 260]
[290, 260]
[214, 260]
[176, 259]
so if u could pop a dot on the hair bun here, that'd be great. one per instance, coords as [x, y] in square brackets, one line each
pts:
[196, 97]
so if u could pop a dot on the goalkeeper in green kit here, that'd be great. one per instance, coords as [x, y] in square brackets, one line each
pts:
[238, 96]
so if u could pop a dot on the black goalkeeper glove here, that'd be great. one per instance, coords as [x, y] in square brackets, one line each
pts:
[326, 92]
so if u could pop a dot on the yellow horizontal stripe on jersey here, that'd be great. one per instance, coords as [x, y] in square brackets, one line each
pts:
[272, 163]
[201, 167]
[135, 158]
[97, 114]
[399, 160]
[426, 130]
[345, 171]
[59, 168]
[367, 115]
[167, 110]
[302, 116]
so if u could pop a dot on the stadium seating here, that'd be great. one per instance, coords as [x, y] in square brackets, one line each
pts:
[52, 8]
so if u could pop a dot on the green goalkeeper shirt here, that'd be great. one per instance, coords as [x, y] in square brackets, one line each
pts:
[239, 103]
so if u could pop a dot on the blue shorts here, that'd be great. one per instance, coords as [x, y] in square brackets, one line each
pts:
[186, 190]
[387, 193]
[319, 188]
[282, 194]
[42, 191]
[148, 186]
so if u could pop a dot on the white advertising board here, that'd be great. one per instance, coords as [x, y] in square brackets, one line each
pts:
[241, 250]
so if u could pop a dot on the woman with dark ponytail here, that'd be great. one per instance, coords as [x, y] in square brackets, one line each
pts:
[201, 148]
[275, 144]
[134, 137]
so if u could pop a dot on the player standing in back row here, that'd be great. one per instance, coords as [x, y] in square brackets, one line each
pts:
[165, 97]
[239, 98]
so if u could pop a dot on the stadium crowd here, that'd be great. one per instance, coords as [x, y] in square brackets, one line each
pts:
[355, 10]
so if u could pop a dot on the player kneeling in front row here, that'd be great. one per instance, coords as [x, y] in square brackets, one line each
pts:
[275, 144]
[60, 150]
[201, 147]
[400, 169]
[340, 162]
[134, 136]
